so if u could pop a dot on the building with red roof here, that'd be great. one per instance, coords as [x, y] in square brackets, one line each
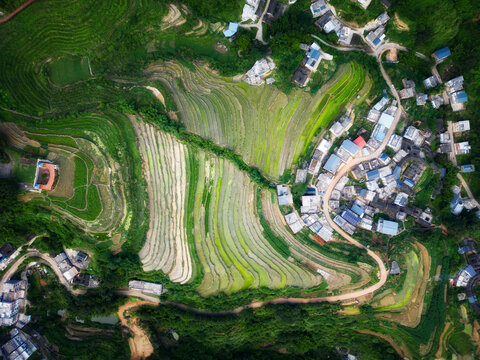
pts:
[360, 142]
[45, 175]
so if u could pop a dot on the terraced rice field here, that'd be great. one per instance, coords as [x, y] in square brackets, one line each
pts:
[266, 127]
[341, 275]
[54, 28]
[92, 188]
[202, 207]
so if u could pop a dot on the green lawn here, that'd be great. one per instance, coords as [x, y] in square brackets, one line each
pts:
[68, 70]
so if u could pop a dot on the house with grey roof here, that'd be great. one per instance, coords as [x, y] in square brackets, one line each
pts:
[431, 82]
[284, 195]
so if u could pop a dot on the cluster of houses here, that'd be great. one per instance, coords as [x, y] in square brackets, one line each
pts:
[454, 93]
[328, 22]
[7, 255]
[146, 287]
[71, 263]
[260, 71]
[469, 276]
[253, 9]
[313, 56]
[19, 346]
[383, 185]
[13, 297]
[377, 34]
[449, 146]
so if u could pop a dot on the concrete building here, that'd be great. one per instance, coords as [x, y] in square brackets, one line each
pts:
[461, 126]
[284, 195]
[387, 227]
[146, 287]
[421, 99]
[318, 8]
[341, 125]
[462, 148]
[261, 69]
[431, 82]
[293, 222]
[395, 142]
[18, 347]
[301, 176]
[401, 199]
[436, 101]
[376, 37]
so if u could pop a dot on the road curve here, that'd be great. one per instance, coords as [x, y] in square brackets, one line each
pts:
[16, 11]
[48, 260]
[354, 162]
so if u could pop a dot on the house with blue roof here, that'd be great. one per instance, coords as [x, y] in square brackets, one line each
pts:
[379, 132]
[409, 183]
[387, 227]
[467, 168]
[463, 250]
[358, 210]
[397, 172]
[332, 164]
[441, 54]
[350, 147]
[456, 205]
[373, 174]
[470, 271]
[351, 217]
[232, 30]
[459, 97]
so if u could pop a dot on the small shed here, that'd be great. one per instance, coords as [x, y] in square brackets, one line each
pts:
[394, 268]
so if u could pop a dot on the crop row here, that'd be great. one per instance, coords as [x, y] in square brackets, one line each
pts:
[220, 225]
[267, 127]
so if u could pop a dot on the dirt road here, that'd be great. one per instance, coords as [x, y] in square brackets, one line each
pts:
[16, 11]
[48, 260]
[140, 345]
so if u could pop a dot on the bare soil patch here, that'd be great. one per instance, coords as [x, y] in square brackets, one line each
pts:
[157, 94]
[140, 345]
[401, 25]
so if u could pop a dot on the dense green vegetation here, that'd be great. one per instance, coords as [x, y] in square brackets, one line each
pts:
[270, 332]
[67, 106]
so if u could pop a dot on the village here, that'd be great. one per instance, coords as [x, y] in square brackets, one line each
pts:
[70, 266]
[377, 195]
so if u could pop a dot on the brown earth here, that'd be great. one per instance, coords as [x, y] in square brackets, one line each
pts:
[140, 345]
[401, 25]
[443, 339]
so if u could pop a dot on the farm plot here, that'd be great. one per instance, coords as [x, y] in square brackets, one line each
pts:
[202, 207]
[67, 70]
[39, 36]
[340, 275]
[406, 305]
[268, 128]
[95, 187]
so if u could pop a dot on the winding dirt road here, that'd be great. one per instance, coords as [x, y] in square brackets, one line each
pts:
[16, 11]
[140, 345]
